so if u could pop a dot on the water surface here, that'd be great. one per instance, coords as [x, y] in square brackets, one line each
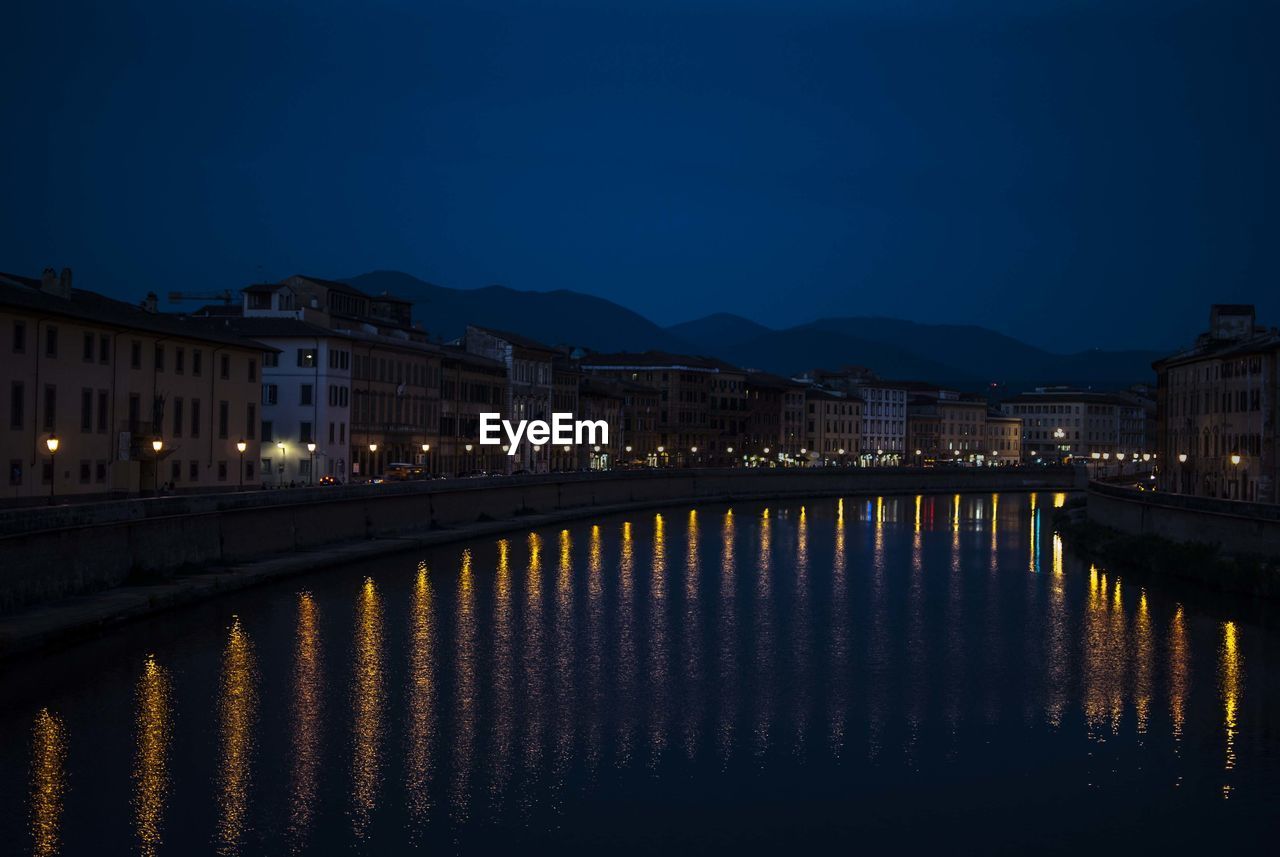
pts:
[901, 672]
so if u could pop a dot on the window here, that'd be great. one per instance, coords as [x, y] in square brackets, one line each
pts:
[270, 359]
[135, 354]
[267, 435]
[305, 395]
[175, 470]
[270, 394]
[159, 361]
[250, 420]
[100, 471]
[222, 471]
[195, 417]
[253, 370]
[226, 367]
[103, 404]
[179, 360]
[17, 404]
[177, 417]
[104, 349]
[86, 471]
[304, 432]
[135, 411]
[224, 417]
[193, 471]
[88, 350]
[306, 358]
[248, 470]
[50, 406]
[19, 347]
[86, 410]
[197, 362]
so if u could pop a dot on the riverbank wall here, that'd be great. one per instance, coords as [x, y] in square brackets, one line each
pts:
[1236, 528]
[56, 552]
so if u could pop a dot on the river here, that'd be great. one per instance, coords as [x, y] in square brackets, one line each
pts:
[907, 673]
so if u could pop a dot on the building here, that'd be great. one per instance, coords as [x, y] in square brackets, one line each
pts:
[685, 386]
[529, 366]
[924, 430]
[884, 413]
[1060, 423]
[107, 380]
[833, 427]
[775, 417]
[355, 377]
[470, 385]
[604, 399]
[1218, 406]
[640, 408]
[1004, 437]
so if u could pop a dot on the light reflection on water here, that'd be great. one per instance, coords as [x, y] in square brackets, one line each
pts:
[832, 649]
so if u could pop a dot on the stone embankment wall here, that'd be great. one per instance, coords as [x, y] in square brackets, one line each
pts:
[54, 552]
[1238, 528]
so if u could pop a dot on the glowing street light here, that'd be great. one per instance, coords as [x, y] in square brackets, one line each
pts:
[51, 442]
[1235, 458]
[1182, 458]
[311, 464]
[241, 446]
[156, 446]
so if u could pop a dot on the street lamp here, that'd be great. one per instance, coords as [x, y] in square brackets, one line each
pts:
[426, 448]
[373, 449]
[157, 445]
[52, 443]
[280, 469]
[241, 446]
[311, 465]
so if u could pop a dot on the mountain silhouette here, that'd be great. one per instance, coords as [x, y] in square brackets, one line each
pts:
[968, 357]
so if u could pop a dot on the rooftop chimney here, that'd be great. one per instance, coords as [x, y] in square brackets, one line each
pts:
[64, 283]
[150, 302]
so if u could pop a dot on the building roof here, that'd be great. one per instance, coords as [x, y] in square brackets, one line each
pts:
[336, 285]
[771, 381]
[93, 308]
[514, 338]
[1072, 396]
[1217, 349]
[656, 360]
[457, 353]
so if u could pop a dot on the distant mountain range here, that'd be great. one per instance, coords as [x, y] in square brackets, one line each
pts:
[965, 356]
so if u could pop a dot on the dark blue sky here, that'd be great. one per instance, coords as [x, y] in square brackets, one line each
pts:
[1074, 173]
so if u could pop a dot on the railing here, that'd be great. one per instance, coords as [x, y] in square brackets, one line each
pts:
[1189, 502]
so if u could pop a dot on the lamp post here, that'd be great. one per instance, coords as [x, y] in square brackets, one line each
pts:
[311, 464]
[426, 460]
[693, 451]
[918, 458]
[241, 446]
[1235, 475]
[280, 470]
[470, 456]
[661, 453]
[156, 446]
[729, 450]
[537, 449]
[1182, 473]
[51, 442]
[373, 449]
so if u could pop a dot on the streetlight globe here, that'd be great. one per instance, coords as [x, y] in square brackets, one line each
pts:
[730, 450]
[537, 447]
[468, 447]
[662, 449]
[693, 449]
[241, 446]
[373, 447]
[1120, 455]
[52, 442]
[766, 450]
[803, 450]
[628, 449]
[1182, 457]
[840, 450]
[311, 447]
[596, 448]
[1235, 458]
[426, 447]
[1146, 456]
[917, 452]
[157, 444]
[280, 445]
[1095, 455]
[566, 447]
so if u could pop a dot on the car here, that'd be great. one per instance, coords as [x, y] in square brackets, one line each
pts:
[327, 480]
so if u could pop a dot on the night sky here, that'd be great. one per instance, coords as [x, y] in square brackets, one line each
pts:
[1076, 174]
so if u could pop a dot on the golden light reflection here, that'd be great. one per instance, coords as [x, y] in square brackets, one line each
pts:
[152, 730]
[1143, 667]
[533, 656]
[237, 707]
[420, 718]
[465, 691]
[916, 682]
[595, 625]
[995, 530]
[503, 678]
[1058, 654]
[1179, 676]
[48, 782]
[1105, 655]
[728, 627]
[658, 655]
[802, 665]
[367, 703]
[919, 499]
[1059, 500]
[1230, 684]
[626, 645]
[308, 696]
[838, 696]
[564, 682]
[764, 636]
[878, 640]
[692, 635]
